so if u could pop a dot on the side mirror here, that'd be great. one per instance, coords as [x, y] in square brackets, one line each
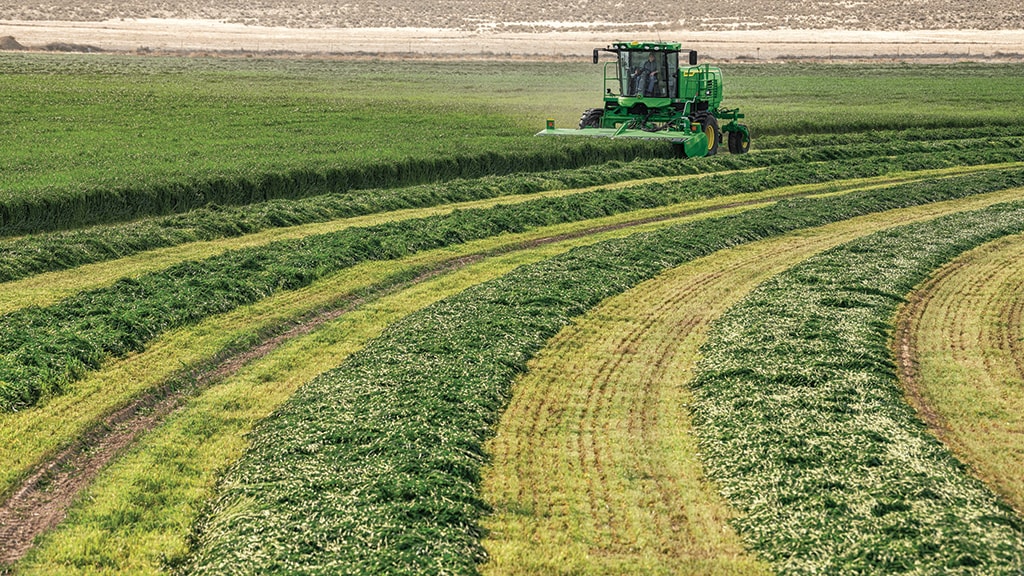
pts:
[596, 50]
[693, 57]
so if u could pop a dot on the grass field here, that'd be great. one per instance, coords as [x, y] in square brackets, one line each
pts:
[960, 349]
[352, 317]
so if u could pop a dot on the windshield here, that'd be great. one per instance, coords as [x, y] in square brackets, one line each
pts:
[648, 74]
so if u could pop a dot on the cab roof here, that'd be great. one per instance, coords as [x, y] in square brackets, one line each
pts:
[648, 46]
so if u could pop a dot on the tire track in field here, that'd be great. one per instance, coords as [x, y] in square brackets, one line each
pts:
[41, 500]
[595, 468]
[961, 360]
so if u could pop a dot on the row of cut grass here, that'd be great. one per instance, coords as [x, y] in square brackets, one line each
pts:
[964, 335]
[46, 289]
[830, 139]
[136, 516]
[28, 437]
[44, 349]
[595, 465]
[132, 519]
[375, 466]
[23, 257]
[804, 426]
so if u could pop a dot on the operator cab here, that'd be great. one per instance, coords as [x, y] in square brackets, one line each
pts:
[644, 70]
[648, 74]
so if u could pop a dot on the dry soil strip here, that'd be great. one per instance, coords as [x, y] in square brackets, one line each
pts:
[960, 350]
[595, 465]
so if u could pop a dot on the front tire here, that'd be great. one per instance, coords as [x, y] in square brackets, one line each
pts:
[592, 118]
[739, 142]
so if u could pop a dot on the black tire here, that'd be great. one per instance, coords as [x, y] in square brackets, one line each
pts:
[592, 118]
[739, 143]
[709, 125]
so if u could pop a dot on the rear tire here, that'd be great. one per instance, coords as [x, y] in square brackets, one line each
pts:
[739, 143]
[592, 118]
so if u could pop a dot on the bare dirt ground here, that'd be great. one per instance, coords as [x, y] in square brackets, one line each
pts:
[546, 15]
[198, 36]
[721, 29]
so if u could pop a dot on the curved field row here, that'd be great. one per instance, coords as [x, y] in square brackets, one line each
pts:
[197, 346]
[48, 288]
[65, 418]
[960, 350]
[384, 451]
[141, 531]
[804, 426]
[23, 257]
[57, 425]
[45, 349]
[596, 465]
[44, 431]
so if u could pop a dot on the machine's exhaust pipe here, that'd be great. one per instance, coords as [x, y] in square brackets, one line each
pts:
[693, 57]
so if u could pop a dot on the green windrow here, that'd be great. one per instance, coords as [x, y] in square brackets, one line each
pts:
[374, 467]
[23, 257]
[44, 349]
[28, 214]
[804, 425]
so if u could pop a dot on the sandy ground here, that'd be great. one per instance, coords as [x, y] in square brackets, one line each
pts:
[191, 36]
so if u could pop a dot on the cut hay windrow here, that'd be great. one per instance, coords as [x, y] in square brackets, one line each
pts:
[374, 467]
[805, 428]
[24, 214]
[44, 349]
[53, 251]
[915, 135]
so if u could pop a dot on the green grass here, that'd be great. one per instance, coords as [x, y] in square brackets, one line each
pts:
[375, 466]
[112, 139]
[109, 138]
[23, 257]
[814, 99]
[805, 428]
[42, 350]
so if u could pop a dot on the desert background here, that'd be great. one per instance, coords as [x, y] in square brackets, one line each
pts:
[769, 30]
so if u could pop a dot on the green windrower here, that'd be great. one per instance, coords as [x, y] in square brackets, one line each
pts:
[648, 95]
